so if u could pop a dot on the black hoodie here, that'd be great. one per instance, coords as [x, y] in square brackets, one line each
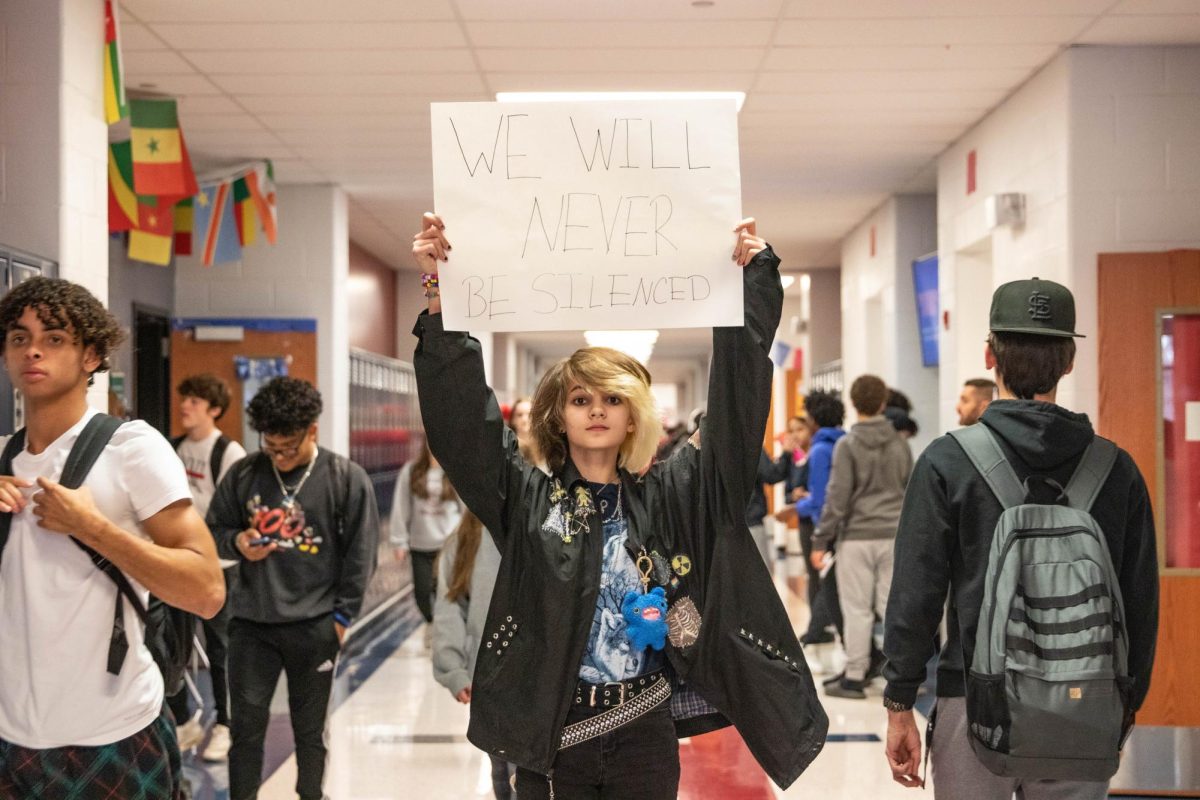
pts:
[946, 530]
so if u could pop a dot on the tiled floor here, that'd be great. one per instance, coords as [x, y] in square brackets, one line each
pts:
[396, 733]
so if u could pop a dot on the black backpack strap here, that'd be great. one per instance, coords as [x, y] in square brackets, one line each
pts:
[12, 449]
[1091, 473]
[984, 451]
[218, 455]
[87, 448]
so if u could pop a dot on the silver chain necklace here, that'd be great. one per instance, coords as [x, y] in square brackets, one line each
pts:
[289, 493]
[617, 515]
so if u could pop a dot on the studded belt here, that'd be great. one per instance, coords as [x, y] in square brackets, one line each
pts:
[612, 694]
[656, 691]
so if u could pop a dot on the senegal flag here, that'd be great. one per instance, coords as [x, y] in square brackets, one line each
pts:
[122, 202]
[160, 158]
[115, 107]
[155, 232]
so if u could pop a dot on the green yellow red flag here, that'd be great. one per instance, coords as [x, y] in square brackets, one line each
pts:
[115, 107]
[161, 165]
[243, 211]
[122, 202]
[151, 240]
[184, 226]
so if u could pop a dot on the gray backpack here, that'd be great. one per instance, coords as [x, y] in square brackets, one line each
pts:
[1048, 687]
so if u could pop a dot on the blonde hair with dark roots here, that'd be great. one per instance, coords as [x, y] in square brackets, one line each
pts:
[598, 369]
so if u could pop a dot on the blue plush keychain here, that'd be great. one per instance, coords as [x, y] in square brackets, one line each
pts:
[645, 612]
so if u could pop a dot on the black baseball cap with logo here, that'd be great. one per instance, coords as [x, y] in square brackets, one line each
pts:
[1035, 306]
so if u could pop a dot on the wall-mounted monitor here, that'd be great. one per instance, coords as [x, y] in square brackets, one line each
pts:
[925, 288]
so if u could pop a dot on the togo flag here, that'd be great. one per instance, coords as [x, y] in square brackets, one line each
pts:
[115, 107]
[160, 158]
[214, 225]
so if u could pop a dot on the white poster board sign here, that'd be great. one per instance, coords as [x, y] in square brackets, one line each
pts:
[602, 215]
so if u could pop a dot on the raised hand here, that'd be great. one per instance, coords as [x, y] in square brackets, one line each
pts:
[748, 242]
[430, 245]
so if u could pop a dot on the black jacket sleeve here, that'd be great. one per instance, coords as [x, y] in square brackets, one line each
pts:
[226, 516]
[360, 544]
[463, 424]
[921, 578]
[739, 391]
[773, 471]
[1139, 587]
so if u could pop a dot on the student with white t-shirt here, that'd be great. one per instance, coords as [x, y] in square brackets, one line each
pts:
[203, 449]
[68, 724]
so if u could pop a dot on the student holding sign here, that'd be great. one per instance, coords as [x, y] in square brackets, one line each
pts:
[631, 605]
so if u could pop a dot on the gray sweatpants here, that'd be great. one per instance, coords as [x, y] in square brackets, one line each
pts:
[958, 774]
[864, 578]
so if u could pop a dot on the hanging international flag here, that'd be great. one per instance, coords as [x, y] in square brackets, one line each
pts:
[122, 202]
[161, 165]
[215, 225]
[243, 211]
[152, 238]
[261, 183]
[183, 226]
[115, 107]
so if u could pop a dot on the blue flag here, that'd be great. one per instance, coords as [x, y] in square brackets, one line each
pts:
[215, 225]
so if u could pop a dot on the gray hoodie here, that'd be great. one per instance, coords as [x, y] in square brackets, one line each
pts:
[871, 465]
[458, 624]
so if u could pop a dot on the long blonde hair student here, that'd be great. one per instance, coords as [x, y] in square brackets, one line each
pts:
[607, 371]
[467, 537]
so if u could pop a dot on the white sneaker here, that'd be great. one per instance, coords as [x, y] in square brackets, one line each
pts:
[189, 734]
[218, 744]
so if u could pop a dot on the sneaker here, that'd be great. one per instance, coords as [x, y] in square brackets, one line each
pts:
[835, 679]
[427, 641]
[189, 734]
[848, 689]
[218, 744]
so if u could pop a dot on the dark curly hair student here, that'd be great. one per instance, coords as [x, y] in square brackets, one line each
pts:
[825, 408]
[60, 303]
[284, 406]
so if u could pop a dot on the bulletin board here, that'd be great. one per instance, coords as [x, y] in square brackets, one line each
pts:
[292, 339]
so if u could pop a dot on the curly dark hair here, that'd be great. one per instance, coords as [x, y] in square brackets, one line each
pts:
[207, 387]
[284, 406]
[65, 305]
[825, 408]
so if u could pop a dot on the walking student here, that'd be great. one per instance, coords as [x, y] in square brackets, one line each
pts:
[425, 511]
[207, 454]
[945, 543]
[303, 525]
[81, 698]
[871, 465]
[632, 601]
[467, 569]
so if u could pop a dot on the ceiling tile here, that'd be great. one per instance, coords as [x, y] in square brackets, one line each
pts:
[155, 62]
[881, 119]
[655, 60]
[1131, 30]
[966, 100]
[176, 85]
[615, 9]
[553, 81]
[902, 58]
[330, 62]
[431, 86]
[138, 37]
[802, 134]
[218, 122]
[1154, 7]
[893, 32]
[629, 34]
[290, 10]
[207, 104]
[304, 122]
[941, 8]
[309, 35]
[351, 103]
[889, 80]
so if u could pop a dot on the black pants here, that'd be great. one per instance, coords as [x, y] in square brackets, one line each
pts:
[639, 761]
[216, 647]
[823, 604]
[307, 652]
[502, 773]
[424, 581]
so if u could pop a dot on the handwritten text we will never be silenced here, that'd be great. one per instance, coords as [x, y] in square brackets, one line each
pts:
[565, 216]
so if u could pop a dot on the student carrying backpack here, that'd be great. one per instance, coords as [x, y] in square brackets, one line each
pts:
[1043, 536]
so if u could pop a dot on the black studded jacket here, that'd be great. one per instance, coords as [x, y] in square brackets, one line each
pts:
[731, 640]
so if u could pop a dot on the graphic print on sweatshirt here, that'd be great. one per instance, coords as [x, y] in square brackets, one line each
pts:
[285, 525]
[609, 655]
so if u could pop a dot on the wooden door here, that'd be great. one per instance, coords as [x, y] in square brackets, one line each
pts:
[1133, 287]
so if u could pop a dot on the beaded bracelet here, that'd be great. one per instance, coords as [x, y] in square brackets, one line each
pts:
[429, 279]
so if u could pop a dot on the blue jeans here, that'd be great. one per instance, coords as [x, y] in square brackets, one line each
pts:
[638, 761]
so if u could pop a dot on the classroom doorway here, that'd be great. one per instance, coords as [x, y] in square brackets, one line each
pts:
[152, 367]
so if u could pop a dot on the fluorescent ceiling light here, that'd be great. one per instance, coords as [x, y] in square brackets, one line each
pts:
[587, 97]
[639, 344]
[805, 282]
[787, 280]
